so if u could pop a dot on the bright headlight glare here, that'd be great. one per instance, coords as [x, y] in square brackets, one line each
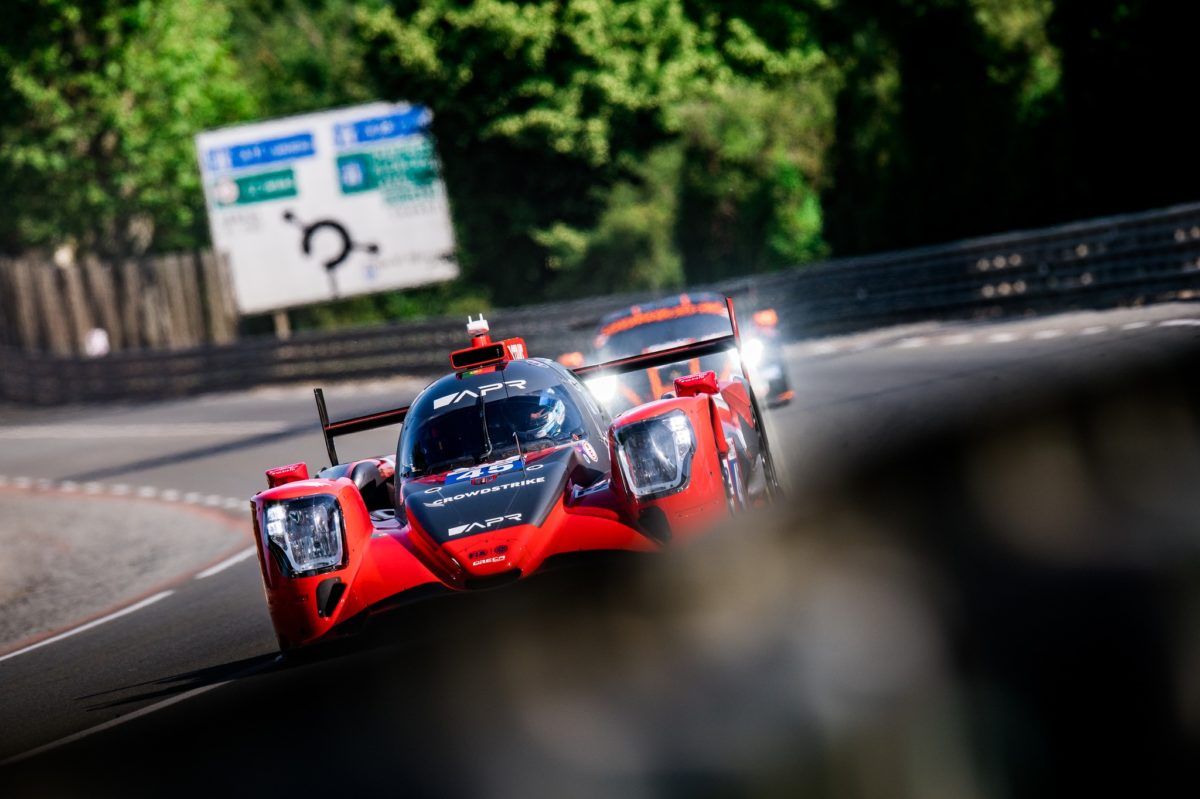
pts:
[603, 388]
[307, 531]
[655, 455]
[752, 352]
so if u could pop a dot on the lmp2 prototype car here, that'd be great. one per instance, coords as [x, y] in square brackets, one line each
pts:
[502, 467]
[680, 319]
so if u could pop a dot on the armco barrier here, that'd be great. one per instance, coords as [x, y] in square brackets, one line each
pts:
[1142, 257]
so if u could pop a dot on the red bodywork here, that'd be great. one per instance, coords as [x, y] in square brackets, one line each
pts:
[388, 558]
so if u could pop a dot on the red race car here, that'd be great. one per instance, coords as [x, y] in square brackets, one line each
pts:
[503, 466]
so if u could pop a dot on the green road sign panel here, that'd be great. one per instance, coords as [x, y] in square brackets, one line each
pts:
[277, 184]
[403, 173]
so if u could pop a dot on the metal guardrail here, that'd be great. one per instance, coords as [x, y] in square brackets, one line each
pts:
[1105, 262]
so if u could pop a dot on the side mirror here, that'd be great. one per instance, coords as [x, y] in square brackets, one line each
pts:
[765, 318]
[571, 360]
[281, 475]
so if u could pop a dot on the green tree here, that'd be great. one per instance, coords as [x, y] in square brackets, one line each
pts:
[302, 55]
[941, 128]
[555, 121]
[754, 157]
[631, 246]
[101, 102]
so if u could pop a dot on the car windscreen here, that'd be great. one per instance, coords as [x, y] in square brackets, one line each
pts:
[660, 335]
[491, 428]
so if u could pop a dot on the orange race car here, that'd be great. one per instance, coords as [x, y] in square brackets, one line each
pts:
[670, 322]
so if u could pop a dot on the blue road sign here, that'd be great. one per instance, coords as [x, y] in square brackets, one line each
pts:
[375, 129]
[241, 156]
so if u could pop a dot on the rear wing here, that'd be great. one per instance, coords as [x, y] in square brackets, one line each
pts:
[684, 352]
[356, 424]
[635, 363]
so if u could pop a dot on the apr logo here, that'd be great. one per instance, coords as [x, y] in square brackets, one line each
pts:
[466, 393]
[492, 470]
[486, 524]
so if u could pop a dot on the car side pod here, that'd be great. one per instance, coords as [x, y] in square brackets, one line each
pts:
[767, 317]
[304, 606]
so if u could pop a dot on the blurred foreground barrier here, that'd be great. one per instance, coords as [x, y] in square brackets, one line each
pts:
[1146, 257]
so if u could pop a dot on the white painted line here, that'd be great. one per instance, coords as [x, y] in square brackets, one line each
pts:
[912, 343]
[1045, 335]
[1002, 338]
[1179, 323]
[1134, 325]
[824, 349]
[233, 560]
[957, 340]
[1095, 329]
[122, 489]
[150, 600]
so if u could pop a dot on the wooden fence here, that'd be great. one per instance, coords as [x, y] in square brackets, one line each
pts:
[167, 302]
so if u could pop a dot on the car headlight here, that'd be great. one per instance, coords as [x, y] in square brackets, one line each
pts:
[307, 532]
[603, 388]
[656, 454]
[752, 352]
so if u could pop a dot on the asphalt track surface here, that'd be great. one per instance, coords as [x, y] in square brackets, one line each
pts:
[175, 689]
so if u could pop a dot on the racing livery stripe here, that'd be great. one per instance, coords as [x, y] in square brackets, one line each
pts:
[662, 314]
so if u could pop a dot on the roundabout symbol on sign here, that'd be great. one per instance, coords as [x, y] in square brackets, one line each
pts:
[346, 246]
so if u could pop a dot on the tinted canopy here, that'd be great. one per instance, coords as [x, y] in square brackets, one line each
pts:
[473, 418]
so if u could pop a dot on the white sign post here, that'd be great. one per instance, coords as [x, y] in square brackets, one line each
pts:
[321, 206]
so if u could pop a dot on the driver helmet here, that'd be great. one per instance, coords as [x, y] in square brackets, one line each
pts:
[543, 420]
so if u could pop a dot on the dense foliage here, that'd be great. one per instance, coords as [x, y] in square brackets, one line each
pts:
[591, 144]
[599, 145]
[98, 105]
